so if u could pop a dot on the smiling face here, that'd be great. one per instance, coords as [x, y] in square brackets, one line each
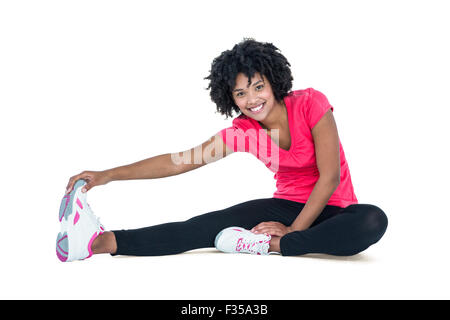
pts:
[255, 100]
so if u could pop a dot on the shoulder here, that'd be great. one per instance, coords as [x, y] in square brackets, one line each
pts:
[304, 99]
[304, 95]
[317, 96]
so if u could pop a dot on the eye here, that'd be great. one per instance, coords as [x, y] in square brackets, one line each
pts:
[239, 94]
[259, 87]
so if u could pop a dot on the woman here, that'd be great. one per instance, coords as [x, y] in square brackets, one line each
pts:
[314, 209]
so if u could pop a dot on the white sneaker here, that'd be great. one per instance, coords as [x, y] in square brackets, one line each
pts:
[238, 240]
[79, 226]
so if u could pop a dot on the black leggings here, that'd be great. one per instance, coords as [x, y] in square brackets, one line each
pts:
[337, 231]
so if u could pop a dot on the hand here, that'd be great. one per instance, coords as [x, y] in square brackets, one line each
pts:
[272, 228]
[92, 178]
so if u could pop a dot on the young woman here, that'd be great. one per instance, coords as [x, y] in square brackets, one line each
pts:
[314, 209]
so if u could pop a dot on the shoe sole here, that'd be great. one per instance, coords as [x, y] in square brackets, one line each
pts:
[65, 211]
[62, 246]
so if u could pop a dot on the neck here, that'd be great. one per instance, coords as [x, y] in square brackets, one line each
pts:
[277, 117]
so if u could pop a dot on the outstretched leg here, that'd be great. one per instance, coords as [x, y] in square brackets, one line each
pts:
[195, 233]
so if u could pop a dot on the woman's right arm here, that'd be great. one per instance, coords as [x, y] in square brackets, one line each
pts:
[161, 166]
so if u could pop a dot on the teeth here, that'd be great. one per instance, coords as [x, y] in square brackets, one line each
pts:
[256, 108]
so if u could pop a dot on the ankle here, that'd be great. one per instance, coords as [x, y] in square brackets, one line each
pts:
[275, 244]
[104, 243]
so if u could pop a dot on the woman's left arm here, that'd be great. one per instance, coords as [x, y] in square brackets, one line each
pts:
[326, 144]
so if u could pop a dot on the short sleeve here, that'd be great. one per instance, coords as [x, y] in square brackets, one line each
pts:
[234, 137]
[317, 106]
[228, 135]
[238, 137]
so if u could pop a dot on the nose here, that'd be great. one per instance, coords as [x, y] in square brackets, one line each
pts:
[252, 99]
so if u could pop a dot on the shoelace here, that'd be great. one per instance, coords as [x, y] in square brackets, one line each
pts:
[99, 224]
[97, 219]
[253, 246]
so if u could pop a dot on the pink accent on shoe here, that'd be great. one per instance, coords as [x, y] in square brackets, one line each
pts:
[238, 245]
[61, 257]
[77, 217]
[237, 230]
[79, 203]
[90, 245]
[250, 245]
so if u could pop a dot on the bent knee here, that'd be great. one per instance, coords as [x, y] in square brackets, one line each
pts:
[375, 222]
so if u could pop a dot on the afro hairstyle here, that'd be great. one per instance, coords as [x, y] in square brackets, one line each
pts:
[247, 57]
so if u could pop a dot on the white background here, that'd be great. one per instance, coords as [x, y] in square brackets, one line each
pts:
[91, 85]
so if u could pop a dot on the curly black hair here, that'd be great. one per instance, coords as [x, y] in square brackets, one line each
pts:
[247, 57]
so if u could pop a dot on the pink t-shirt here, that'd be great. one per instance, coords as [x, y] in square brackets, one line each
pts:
[295, 169]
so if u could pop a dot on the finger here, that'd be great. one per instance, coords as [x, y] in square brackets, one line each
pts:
[258, 227]
[70, 184]
[272, 230]
[263, 229]
[279, 231]
[87, 187]
[276, 232]
[73, 180]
